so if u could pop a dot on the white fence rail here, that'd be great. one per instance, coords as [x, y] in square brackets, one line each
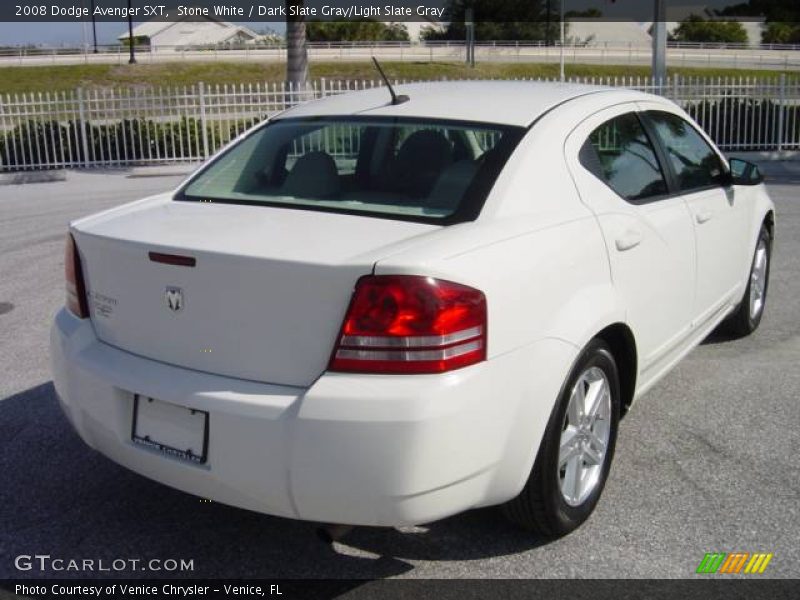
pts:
[570, 42]
[109, 127]
[601, 53]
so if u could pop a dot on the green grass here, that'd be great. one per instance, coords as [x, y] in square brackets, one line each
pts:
[68, 77]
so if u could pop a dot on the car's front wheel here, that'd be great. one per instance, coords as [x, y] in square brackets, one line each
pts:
[748, 315]
[576, 452]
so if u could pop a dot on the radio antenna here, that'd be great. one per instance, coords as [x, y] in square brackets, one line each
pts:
[395, 98]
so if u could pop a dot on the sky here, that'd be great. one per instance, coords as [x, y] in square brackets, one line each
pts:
[71, 34]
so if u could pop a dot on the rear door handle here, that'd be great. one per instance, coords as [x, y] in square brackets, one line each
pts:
[630, 239]
[703, 216]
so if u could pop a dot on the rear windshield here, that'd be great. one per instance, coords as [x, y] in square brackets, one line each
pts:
[420, 170]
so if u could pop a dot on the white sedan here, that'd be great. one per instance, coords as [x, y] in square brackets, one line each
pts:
[384, 313]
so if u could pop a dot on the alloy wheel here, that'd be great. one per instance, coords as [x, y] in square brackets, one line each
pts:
[758, 279]
[584, 436]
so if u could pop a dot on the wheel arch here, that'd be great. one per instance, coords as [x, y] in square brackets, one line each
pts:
[769, 221]
[523, 444]
[622, 343]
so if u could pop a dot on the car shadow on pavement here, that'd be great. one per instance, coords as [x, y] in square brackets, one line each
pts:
[721, 335]
[61, 498]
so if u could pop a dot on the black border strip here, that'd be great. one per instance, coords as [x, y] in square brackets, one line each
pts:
[514, 11]
[696, 587]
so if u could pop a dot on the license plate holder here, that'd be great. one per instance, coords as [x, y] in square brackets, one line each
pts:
[177, 431]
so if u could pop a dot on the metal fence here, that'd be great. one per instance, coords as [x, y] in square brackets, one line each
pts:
[784, 58]
[111, 127]
[30, 50]
[279, 44]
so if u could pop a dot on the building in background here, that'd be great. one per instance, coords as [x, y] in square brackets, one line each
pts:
[206, 32]
[416, 29]
[585, 31]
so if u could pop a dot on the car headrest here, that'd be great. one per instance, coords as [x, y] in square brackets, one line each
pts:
[314, 175]
[451, 185]
[420, 161]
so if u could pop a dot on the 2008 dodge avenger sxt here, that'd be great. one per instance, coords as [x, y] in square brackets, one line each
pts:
[380, 312]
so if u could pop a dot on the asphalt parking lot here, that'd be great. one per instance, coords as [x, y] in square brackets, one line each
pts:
[707, 461]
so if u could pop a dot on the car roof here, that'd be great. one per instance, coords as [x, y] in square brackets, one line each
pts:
[503, 102]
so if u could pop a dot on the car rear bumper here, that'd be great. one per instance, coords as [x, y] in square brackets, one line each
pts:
[355, 449]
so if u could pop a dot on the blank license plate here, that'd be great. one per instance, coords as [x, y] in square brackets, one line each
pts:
[175, 430]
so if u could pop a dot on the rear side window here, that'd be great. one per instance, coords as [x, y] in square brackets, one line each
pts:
[695, 163]
[412, 169]
[620, 154]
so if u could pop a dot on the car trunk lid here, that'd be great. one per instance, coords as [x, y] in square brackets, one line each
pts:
[264, 299]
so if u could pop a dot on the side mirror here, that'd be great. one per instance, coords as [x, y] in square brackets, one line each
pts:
[744, 172]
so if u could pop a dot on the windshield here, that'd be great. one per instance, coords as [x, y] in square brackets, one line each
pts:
[409, 169]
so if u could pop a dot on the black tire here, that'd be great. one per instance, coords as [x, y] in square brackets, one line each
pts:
[743, 322]
[541, 507]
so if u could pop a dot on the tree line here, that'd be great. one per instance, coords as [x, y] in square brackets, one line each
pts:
[528, 20]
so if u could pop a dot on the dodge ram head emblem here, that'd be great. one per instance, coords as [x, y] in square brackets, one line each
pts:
[174, 298]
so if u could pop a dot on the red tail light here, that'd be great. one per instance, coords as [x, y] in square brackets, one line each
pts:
[411, 324]
[76, 290]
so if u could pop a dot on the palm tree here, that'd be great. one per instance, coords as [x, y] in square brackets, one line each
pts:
[296, 53]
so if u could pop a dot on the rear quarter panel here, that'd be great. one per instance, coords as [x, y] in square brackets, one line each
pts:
[539, 256]
[536, 250]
